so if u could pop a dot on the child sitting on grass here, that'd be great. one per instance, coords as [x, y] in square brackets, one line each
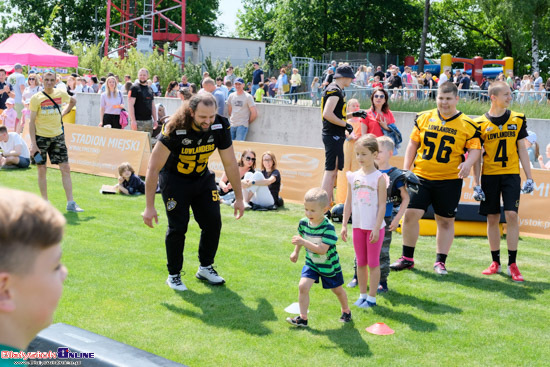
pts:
[317, 235]
[31, 274]
[128, 182]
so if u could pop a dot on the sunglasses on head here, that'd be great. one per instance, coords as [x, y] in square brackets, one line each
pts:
[250, 159]
[379, 96]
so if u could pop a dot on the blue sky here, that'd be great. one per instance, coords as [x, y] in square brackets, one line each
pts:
[228, 9]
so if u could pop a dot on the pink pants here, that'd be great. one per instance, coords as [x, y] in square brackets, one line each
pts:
[367, 253]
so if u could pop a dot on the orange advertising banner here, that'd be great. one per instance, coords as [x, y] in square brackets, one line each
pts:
[301, 168]
[99, 151]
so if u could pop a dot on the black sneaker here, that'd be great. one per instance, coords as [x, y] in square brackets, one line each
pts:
[346, 317]
[297, 321]
[402, 264]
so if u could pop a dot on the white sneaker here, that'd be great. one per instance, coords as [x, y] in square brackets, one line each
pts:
[73, 207]
[174, 282]
[210, 275]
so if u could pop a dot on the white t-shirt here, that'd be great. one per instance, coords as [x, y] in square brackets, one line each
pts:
[538, 83]
[61, 86]
[15, 139]
[17, 80]
[240, 108]
[364, 199]
[30, 91]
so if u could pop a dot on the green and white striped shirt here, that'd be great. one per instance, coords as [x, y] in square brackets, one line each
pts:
[327, 265]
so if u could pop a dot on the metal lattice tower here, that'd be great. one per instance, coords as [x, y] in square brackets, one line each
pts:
[153, 23]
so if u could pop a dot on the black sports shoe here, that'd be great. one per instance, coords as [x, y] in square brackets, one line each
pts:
[402, 264]
[298, 321]
[346, 317]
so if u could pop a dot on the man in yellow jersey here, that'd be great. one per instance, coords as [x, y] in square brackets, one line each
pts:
[502, 133]
[439, 141]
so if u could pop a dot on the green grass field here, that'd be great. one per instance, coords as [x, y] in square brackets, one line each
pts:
[116, 288]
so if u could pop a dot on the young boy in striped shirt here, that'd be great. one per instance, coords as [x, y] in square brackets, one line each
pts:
[317, 235]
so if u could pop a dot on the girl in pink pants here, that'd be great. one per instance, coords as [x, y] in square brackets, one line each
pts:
[366, 202]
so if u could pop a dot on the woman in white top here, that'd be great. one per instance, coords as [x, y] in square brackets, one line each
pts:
[295, 82]
[361, 76]
[32, 88]
[112, 103]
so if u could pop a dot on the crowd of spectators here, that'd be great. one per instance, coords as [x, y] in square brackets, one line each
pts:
[236, 97]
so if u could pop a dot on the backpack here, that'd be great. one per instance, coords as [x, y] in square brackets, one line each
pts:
[123, 119]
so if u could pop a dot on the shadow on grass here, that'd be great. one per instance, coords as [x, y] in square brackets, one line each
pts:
[347, 338]
[396, 298]
[414, 322]
[224, 308]
[74, 219]
[494, 283]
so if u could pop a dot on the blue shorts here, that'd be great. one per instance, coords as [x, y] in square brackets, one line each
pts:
[328, 282]
[23, 162]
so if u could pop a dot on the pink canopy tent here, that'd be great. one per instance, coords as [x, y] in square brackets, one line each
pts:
[28, 49]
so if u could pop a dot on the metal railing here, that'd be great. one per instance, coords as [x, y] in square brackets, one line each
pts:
[406, 94]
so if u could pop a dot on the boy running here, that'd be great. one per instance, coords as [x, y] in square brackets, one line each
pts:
[317, 235]
[502, 133]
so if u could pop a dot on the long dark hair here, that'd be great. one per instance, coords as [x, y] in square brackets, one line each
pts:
[182, 119]
[171, 86]
[385, 106]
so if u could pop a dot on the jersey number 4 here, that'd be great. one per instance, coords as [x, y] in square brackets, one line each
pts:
[443, 152]
[501, 155]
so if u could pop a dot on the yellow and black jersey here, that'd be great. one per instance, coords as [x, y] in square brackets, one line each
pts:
[442, 144]
[499, 136]
[333, 90]
[190, 149]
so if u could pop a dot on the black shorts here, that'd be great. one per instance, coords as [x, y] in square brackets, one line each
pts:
[54, 147]
[113, 120]
[443, 195]
[334, 149]
[493, 186]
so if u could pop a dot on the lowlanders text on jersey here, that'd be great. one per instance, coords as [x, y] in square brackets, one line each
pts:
[200, 149]
[443, 129]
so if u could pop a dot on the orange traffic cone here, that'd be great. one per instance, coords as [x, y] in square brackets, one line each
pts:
[380, 329]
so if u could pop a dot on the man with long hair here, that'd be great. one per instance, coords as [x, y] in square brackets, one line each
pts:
[194, 132]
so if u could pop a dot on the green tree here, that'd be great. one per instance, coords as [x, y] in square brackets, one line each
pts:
[256, 20]
[424, 36]
[73, 19]
[311, 27]
[488, 28]
[76, 19]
